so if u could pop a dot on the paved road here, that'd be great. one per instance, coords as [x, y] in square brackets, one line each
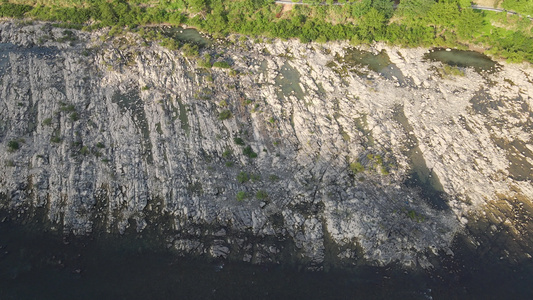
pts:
[499, 10]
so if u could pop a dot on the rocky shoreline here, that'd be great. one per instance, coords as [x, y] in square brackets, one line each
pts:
[295, 152]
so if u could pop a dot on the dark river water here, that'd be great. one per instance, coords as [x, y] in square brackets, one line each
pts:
[35, 264]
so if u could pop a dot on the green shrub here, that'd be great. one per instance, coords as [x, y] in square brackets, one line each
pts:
[55, 139]
[450, 71]
[100, 145]
[261, 195]
[190, 50]
[384, 170]
[171, 44]
[413, 215]
[14, 10]
[84, 150]
[273, 177]
[67, 108]
[47, 121]
[248, 151]
[227, 153]
[74, 117]
[238, 141]
[221, 64]
[224, 115]
[243, 177]
[241, 195]
[205, 62]
[356, 167]
[13, 145]
[255, 177]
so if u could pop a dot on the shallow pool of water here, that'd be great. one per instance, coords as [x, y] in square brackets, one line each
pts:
[289, 82]
[186, 35]
[379, 63]
[461, 58]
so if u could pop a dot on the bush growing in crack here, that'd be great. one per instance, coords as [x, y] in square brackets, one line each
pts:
[13, 145]
[241, 195]
[261, 195]
[243, 177]
[248, 151]
[239, 141]
[224, 115]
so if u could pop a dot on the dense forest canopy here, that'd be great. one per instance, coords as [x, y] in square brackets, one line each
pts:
[451, 23]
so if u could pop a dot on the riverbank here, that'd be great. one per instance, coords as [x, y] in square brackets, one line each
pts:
[508, 37]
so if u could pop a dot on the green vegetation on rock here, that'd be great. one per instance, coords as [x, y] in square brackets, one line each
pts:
[248, 151]
[243, 177]
[224, 115]
[13, 146]
[241, 195]
[261, 195]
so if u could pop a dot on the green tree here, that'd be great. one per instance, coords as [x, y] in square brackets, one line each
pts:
[384, 6]
[469, 23]
[360, 8]
[372, 25]
[197, 5]
[443, 14]
[414, 9]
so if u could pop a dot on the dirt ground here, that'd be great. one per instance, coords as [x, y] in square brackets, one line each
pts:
[286, 7]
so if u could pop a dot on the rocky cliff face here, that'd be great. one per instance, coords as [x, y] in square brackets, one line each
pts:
[296, 152]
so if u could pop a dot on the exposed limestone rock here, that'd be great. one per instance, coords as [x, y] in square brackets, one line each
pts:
[112, 134]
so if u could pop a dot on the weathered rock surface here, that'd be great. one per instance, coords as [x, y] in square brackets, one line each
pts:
[106, 134]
